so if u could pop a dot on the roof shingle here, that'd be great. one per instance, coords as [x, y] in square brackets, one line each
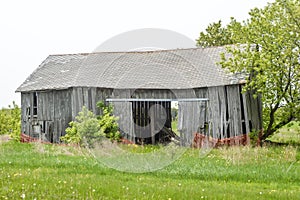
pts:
[163, 69]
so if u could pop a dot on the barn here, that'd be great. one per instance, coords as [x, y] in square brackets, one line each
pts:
[142, 86]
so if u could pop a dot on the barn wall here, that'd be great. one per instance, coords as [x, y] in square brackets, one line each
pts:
[123, 110]
[234, 111]
[217, 110]
[53, 114]
[88, 97]
[191, 115]
[45, 114]
[26, 113]
[228, 113]
[152, 94]
[254, 106]
[62, 112]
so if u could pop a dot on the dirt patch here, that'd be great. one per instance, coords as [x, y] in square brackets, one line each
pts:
[4, 138]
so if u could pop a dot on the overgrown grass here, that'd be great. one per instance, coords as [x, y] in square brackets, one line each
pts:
[174, 127]
[288, 134]
[39, 171]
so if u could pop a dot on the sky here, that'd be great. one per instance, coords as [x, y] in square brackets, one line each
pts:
[33, 29]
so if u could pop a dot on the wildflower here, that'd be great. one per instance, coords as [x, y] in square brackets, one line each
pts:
[22, 196]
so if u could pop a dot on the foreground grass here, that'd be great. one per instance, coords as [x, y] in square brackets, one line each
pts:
[36, 171]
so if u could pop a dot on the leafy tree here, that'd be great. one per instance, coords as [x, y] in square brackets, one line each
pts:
[267, 49]
[216, 35]
[10, 121]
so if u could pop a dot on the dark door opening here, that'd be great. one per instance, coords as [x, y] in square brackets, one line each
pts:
[152, 120]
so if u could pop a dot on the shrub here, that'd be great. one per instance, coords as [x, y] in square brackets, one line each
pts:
[108, 122]
[85, 130]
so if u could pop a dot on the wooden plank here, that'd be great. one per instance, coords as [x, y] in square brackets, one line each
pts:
[25, 113]
[45, 106]
[254, 108]
[152, 124]
[123, 110]
[234, 107]
[62, 112]
[85, 97]
[245, 113]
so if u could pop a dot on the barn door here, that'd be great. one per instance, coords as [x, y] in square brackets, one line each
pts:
[150, 117]
[191, 120]
[48, 129]
[123, 110]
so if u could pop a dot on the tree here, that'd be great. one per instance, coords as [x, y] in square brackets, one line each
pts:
[10, 121]
[216, 35]
[267, 48]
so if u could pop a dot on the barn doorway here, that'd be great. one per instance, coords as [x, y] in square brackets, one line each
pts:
[152, 121]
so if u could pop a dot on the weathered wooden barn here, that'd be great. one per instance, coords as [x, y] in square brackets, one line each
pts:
[141, 85]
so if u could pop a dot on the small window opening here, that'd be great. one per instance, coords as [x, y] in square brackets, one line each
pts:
[174, 117]
[35, 104]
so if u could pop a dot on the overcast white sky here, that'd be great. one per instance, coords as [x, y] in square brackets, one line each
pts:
[30, 30]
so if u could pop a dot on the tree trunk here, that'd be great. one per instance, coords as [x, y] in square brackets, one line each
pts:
[269, 130]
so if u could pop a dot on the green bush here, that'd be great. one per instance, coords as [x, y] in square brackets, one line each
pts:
[253, 137]
[108, 122]
[84, 131]
[88, 129]
[10, 121]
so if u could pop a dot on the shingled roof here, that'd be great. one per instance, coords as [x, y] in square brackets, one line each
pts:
[163, 69]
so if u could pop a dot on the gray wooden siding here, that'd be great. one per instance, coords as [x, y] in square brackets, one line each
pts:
[88, 97]
[217, 110]
[123, 110]
[227, 112]
[53, 114]
[25, 113]
[254, 107]
[62, 112]
[234, 111]
[45, 106]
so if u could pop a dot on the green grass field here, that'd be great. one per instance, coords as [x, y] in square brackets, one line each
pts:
[288, 134]
[39, 171]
